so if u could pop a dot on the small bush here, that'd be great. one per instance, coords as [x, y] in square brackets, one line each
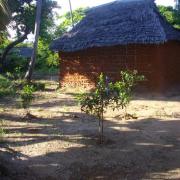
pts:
[109, 94]
[2, 131]
[15, 62]
[47, 61]
[27, 97]
[123, 89]
[6, 87]
[38, 86]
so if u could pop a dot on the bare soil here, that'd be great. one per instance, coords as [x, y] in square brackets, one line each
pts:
[59, 142]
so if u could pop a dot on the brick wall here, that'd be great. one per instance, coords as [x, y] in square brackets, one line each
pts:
[82, 68]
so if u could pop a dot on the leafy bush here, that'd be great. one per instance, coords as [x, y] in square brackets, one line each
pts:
[47, 61]
[6, 86]
[38, 86]
[172, 15]
[2, 132]
[66, 21]
[122, 90]
[14, 62]
[108, 94]
[27, 97]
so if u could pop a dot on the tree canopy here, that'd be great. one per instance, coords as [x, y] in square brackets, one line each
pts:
[4, 14]
[24, 16]
[172, 15]
[23, 21]
[66, 22]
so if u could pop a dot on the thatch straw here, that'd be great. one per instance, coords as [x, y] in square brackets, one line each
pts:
[118, 23]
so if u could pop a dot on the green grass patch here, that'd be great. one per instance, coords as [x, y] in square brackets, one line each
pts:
[2, 132]
[6, 87]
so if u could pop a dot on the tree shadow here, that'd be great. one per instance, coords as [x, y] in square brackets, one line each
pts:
[142, 149]
[56, 103]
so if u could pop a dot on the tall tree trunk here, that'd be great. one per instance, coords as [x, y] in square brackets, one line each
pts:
[178, 4]
[12, 45]
[29, 72]
[71, 14]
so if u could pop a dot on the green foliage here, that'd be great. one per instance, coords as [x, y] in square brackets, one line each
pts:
[172, 15]
[66, 21]
[3, 40]
[23, 17]
[38, 86]
[2, 132]
[27, 96]
[108, 94]
[115, 95]
[46, 59]
[122, 90]
[24, 12]
[6, 87]
[4, 82]
[15, 64]
[47, 20]
[97, 101]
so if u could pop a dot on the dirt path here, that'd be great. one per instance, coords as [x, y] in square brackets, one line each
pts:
[61, 143]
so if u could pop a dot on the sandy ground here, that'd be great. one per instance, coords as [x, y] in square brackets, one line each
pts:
[61, 143]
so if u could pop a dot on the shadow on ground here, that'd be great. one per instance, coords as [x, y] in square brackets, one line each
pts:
[147, 147]
[144, 149]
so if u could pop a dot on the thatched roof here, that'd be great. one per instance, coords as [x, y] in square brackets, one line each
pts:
[25, 52]
[118, 23]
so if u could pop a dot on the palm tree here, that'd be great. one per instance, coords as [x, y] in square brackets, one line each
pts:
[4, 14]
[71, 14]
[177, 4]
[29, 72]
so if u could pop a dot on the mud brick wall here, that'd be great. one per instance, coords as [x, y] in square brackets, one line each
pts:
[81, 69]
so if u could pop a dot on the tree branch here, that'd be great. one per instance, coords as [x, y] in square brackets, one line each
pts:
[10, 46]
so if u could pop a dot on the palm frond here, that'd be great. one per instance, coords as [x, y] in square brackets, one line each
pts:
[4, 14]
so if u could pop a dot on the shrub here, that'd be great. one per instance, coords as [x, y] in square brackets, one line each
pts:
[38, 86]
[47, 61]
[3, 131]
[27, 97]
[6, 86]
[108, 94]
[14, 63]
[122, 90]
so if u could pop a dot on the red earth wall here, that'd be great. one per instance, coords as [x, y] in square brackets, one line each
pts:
[159, 63]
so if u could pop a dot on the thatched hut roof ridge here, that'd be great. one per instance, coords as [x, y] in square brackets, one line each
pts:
[25, 52]
[118, 23]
